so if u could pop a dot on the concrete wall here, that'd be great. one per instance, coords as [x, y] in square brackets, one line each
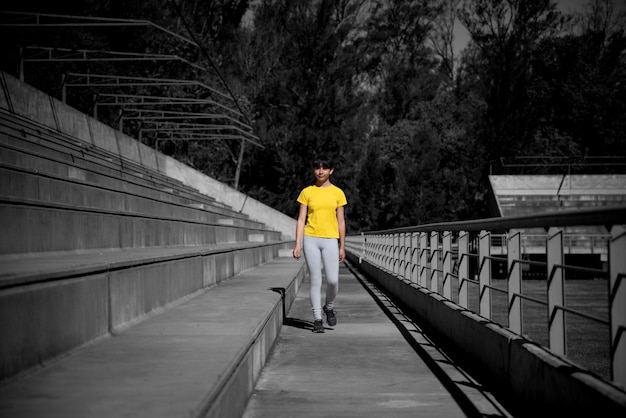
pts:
[527, 375]
[28, 102]
[229, 196]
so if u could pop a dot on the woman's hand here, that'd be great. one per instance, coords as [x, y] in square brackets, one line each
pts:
[296, 253]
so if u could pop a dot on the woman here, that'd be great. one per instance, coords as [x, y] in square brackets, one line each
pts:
[321, 223]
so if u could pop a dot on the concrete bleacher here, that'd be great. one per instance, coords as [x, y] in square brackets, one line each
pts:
[89, 134]
[523, 195]
[527, 194]
[46, 184]
[104, 239]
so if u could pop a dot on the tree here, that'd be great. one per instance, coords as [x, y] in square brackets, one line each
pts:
[442, 37]
[579, 88]
[373, 84]
[305, 104]
[507, 34]
[394, 55]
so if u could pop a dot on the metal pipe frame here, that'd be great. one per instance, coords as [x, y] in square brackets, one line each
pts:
[422, 259]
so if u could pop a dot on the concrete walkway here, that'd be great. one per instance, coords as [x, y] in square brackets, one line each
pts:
[375, 362]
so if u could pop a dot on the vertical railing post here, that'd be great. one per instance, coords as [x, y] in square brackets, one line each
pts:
[463, 268]
[376, 250]
[435, 269]
[406, 255]
[415, 257]
[556, 292]
[363, 248]
[391, 242]
[395, 253]
[379, 251]
[382, 249]
[373, 249]
[617, 303]
[515, 283]
[447, 265]
[389, 252]
[403, 263]
[424, 258]
[402, 270]
[400, 254]
[484, 275]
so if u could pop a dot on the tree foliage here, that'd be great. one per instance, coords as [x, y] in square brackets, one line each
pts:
[414, 127]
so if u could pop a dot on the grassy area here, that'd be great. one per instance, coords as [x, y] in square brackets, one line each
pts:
[588, 342]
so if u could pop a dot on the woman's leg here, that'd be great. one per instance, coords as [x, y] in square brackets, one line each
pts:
[313, 258]
[330, 256]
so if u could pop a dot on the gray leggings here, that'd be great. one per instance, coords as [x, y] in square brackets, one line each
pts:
[316, 252]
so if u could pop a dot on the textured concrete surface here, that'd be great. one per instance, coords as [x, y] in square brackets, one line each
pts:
[375, 362]
[174, 364]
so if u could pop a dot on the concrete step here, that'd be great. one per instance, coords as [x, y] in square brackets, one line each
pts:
[43, 155]
[18, 183]
[558, 184]
[36, 227]
[198, 358]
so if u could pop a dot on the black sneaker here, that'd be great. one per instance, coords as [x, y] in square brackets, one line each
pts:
[318, 326]
[331, 318]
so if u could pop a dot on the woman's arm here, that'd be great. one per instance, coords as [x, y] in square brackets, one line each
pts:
[341, 221]
[299, 230]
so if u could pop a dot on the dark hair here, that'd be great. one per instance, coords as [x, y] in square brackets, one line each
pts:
[322, 162]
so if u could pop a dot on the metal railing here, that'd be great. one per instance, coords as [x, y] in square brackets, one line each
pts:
[500, 256]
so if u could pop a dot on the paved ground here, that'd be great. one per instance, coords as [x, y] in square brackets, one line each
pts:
[374, 362]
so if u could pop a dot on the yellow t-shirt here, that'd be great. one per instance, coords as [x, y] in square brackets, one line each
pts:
[322, 204]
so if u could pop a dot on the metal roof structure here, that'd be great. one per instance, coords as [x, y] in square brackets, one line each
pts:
[164, 108]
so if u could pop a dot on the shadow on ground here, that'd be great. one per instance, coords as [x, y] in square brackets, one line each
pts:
[298, 323]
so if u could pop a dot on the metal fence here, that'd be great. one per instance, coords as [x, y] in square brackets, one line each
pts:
[496, 266]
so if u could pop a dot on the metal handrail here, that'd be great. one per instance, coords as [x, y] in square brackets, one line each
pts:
[437, 254]
[614, 215]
